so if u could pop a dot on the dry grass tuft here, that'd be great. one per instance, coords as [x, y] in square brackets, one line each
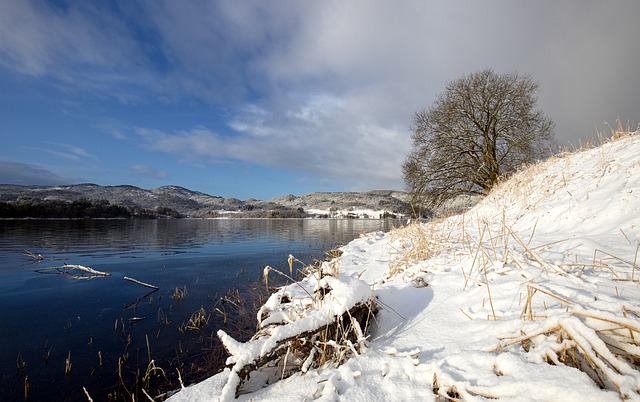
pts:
[619, 131]
[180, 294]
[416, 242]
[196, 322]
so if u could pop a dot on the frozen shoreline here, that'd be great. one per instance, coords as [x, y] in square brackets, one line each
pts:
[538, 278]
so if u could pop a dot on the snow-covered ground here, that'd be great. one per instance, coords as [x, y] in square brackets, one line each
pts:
[353, 213]
[540, 277]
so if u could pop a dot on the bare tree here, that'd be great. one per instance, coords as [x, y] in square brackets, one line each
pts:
[480, 129]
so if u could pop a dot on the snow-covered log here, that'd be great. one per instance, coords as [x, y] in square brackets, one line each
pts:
[298, 331]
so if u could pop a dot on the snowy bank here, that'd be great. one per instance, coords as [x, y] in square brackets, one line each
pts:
[533, 295]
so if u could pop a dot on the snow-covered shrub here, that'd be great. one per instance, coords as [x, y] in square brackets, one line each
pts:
[319, 320]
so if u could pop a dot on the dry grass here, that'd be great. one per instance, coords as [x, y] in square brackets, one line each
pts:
[180, 294]
[607, 133]
[443, 393]
[619, 131]
[198, 320]
[603, 343]
[416, 242]
[67, 365]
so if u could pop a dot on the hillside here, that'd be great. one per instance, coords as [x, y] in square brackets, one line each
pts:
[532, 295]
[370, 203]
[197, 204]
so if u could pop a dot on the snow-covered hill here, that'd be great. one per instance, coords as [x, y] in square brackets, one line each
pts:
[371, 204]
[174, 197]
[533, 295]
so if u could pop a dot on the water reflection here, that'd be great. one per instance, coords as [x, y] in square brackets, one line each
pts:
[126, 238]
[58, 315]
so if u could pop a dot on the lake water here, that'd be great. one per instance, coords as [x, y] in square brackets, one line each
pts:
[61, 332]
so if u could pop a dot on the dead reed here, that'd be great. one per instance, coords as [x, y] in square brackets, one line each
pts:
[416, 242]
[198, 320]
[180, 294]
[67, 365]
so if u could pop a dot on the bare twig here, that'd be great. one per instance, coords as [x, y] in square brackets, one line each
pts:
[146, 285]
[87, 394]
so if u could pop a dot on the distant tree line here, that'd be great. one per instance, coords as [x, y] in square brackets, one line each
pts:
[78, 209]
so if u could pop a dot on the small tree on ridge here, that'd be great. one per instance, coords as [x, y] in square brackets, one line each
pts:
[481, 128]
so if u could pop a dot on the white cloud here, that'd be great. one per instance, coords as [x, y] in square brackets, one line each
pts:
[322, 137]
[84, 46]
[66, 151]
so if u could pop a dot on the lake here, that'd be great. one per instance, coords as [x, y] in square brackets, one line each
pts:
[62, 329]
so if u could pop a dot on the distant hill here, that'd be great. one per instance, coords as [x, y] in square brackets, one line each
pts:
[197, 204]
[370, 203]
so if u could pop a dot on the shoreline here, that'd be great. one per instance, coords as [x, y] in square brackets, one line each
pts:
[532, 294]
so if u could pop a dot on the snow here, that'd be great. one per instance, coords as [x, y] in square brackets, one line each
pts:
[484, 305]
[352, 212]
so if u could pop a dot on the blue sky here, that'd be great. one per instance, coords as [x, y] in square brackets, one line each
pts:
[265, 98]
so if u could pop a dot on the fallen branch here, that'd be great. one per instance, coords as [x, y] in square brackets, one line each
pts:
[86, 269]
[65, 268]
[146, 285]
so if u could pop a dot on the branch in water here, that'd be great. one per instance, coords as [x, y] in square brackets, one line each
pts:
[126, 278]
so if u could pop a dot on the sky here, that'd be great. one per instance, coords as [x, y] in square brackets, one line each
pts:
[260, 99]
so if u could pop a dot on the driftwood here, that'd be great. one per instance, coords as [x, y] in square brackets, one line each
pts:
[146, 285]
[86, 269]
[66, 270]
